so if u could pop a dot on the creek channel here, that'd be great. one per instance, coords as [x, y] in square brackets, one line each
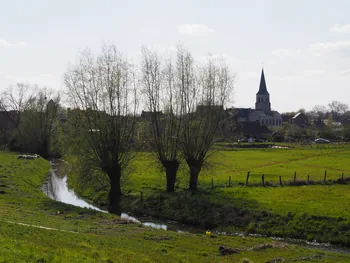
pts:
[56, 188]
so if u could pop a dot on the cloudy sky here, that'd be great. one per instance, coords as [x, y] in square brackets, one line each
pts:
[304, 46]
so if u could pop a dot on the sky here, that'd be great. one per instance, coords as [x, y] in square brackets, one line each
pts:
[304, 46]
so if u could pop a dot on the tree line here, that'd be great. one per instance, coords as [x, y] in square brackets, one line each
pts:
[184, 102]
[335, 109]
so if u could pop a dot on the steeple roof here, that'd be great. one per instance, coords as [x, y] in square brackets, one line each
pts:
[262, 86]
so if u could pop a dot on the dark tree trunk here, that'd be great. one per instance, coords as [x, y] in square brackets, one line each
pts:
[195, 168]
[44, 149]
[171, 171]
[115, 193]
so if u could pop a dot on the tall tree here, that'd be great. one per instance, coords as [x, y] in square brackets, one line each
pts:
[204, 90]
[162, 100]
[13, 102]
[33, 112]
[337, 109]
[102, 90]
[320, 111]
[39, 121]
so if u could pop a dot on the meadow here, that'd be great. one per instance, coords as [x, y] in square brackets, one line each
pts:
[82, 235]
[317, 210]
[312, 161]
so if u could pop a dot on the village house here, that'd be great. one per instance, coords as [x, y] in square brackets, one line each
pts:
[252, 129]
[300, 120]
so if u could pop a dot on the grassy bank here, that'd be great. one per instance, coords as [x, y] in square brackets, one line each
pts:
[308, 212]
[99, 237]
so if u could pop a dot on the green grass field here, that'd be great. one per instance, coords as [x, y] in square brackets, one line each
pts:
[236, 163]
[317, 211]
[100, 237]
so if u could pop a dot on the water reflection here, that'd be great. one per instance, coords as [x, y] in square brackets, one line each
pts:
[149, 224]
[56, 188]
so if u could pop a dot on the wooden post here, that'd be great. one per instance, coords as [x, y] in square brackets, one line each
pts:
[229, 181]
[246, 181]
[212, 183]
[281, 181]
[325, 176]
[308, 179]
[263, 180]
[295, 176]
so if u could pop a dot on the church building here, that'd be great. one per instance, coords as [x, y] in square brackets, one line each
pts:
[262, 112]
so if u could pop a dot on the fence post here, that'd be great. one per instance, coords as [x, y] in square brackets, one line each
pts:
[263, 180]
[308, 179]
[281, 181]
[246, 182]
[229, 181]
[325, 176]
[212, 183]
[295, 176]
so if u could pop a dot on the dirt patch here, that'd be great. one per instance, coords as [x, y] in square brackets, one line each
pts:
[115, 221]
[275, 260]
[158, 238]
[269, 245]
[228, 251]
[316, 256]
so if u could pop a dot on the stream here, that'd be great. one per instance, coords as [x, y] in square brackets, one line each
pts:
[56, 188]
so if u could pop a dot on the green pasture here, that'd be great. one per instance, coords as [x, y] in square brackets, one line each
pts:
[146, 173]
[318, 210]
[100, 237]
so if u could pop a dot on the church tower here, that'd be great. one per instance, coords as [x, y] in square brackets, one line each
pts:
[263, 97]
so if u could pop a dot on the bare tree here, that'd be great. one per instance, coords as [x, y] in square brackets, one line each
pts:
[337, 109]
[32, 115]
[320, 111]
[163, 105]
[102, 90]
[39, 121]
[13, 102]
[204, 90]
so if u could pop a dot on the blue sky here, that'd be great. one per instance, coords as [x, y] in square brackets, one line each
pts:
[303, 45]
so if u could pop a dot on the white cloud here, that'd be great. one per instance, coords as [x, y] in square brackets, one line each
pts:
[341, 28]
[44, 79]
[284, 52]
[6, 75]
[195, 29]
[230, 61]
[345, 72]
[329, 46]
[317, 49]
[313, 72]
[4, 43]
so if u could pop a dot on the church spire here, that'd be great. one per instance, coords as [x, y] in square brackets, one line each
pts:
[262, 86]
